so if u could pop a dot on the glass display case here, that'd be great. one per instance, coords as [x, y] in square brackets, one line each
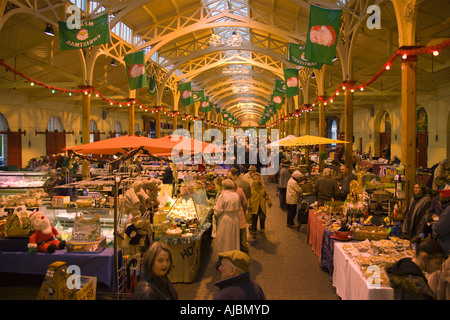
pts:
[21, 188]
[185, 220]
[193, 206]
[63, 220]
[18, 179]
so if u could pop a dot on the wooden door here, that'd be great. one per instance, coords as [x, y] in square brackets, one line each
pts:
[56, 142]
[14, 149]
[422, 149]
[385, 139]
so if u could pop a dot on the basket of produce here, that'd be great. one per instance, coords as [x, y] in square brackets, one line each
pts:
[370, 233]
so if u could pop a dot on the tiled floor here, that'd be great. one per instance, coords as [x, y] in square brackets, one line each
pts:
[283, 264]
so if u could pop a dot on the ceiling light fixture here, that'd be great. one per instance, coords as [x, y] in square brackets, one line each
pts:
[235, 40]
[49, 30]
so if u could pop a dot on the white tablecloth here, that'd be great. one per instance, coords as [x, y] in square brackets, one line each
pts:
[350, 282]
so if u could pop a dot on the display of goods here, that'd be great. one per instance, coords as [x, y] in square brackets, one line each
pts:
[28, 199]
[342, 235]
[176, 232]
[18, 224]
[378, 253]
[60, 201]
[86, 246]
[370, 232]
[183, 209]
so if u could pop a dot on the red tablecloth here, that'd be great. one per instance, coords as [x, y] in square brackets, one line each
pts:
[314, 235]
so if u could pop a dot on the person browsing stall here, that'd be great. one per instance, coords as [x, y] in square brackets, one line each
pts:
[347, 177]
[326, 188]
[293, 194]
[285, 175]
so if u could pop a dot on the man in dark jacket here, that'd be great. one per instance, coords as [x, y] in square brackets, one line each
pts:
[326, 188]
[235, 283]
[347, 177]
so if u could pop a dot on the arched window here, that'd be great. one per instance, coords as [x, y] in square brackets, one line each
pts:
[4, 126]
[55, 123]
[55, 137]
[92, 128]
[422, 120]
[334, 130]
[387, 122]
[117, 129]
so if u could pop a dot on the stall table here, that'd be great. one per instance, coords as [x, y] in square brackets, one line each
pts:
[321, 241]
[315, 232]
[350, 282]
[99, 265]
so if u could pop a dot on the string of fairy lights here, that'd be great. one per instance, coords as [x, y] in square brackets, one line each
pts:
[345, 85]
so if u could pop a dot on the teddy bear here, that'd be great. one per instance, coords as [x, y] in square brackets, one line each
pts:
[151, 189]
[45, 238]
[136, 233]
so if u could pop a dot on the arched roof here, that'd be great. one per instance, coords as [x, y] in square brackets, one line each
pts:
[175, 35]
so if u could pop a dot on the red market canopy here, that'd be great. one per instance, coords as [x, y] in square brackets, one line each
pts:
[124, 144]
[184, 144]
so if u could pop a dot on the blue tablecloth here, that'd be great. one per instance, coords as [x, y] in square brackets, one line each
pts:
[100, 265]
[19, 244]
[326, 258]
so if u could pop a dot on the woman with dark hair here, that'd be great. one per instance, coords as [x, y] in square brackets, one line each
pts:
[407, 276]
[154, 283]
[416, 212]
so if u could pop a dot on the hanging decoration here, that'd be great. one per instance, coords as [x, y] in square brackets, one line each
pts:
[323, 32]
[84, 35]
[404, 53]
[89, 90]
[135, 66]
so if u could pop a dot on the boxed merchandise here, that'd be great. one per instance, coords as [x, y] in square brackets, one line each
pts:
[60, 201]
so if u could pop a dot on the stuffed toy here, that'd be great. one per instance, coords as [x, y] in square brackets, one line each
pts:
[136, 202]
[45, 238]
[151, 188]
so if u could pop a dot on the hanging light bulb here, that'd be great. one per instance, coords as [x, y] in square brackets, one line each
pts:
[435, 53]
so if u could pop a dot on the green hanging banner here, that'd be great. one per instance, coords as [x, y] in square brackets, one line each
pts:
[296, 55]
[291, 79]
[323, 33]
[280, 86]
[198, 95]
[135, 66]
[186, 93]
[91, 33]
[152, 85]
[277, 99]
[205, 105]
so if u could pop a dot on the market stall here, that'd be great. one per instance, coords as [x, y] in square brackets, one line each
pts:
[359, 268]
[182, 225]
